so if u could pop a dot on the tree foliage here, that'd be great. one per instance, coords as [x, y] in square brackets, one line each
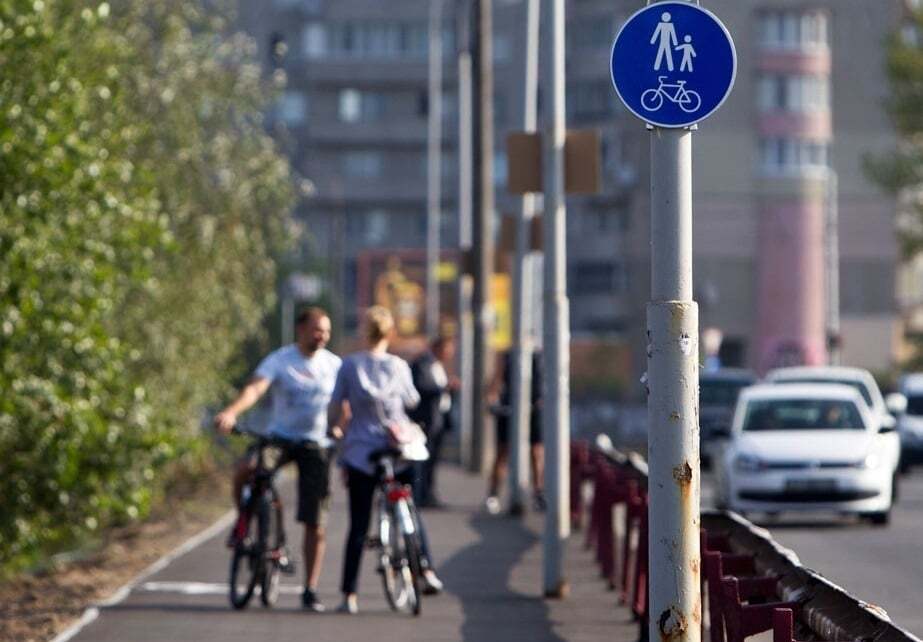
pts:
[141, 206]
[901, 171]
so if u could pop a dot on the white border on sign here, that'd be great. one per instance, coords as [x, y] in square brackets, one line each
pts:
[727, 93]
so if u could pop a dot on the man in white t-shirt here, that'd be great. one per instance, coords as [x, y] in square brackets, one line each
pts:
[301, 377]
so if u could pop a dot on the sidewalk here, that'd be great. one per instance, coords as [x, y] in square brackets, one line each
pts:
[491, 566]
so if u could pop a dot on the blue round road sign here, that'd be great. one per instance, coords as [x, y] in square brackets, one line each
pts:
[673, 64]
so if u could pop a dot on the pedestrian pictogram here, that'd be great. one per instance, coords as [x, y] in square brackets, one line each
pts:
[673, 64]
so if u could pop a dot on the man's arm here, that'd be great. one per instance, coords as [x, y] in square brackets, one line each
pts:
[251, 393]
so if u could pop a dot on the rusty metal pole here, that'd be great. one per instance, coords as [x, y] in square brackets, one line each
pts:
[673, 397]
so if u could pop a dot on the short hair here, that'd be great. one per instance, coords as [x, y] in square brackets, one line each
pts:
[379, 323]
[440, 340]
[313, 313]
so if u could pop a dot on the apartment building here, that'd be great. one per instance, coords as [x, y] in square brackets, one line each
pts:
[808, 105]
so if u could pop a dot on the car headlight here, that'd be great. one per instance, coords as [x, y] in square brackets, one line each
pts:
[748, 463]
[872, 460]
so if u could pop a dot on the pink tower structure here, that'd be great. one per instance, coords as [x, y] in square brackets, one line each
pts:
[795, 129]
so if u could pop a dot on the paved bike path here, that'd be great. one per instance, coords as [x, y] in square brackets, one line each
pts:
[491, 566]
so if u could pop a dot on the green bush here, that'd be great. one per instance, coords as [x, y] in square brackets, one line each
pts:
[141, 206]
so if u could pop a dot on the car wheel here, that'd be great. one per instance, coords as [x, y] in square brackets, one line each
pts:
[895, 488]
[881, 518]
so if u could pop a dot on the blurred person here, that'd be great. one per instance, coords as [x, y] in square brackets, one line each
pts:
[500, 398]
[301, 377]
[376, 388]
[436, 386]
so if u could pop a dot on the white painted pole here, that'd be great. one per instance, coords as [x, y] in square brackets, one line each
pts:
[673, 397]
[465, 282]
[434, 172]
[833, 268]
[521, 393]
[556, 411]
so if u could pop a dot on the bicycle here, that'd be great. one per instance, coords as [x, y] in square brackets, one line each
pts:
[400, 552]
[259, 555]
[688, 100]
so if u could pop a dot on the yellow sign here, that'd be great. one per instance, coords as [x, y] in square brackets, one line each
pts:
[501, 337]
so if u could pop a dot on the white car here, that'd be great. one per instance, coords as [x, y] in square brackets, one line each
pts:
[808, 447]
[859, 378]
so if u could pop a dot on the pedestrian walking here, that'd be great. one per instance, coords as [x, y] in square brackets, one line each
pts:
[301, 378]
[376, 389]
[500, 397]
[436, 386]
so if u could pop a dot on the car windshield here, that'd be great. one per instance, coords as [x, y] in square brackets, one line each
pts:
[915, 405]
[716, 392]
[852, 383]
[765, 415]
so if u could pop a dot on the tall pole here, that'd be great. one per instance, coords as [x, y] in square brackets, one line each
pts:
[556, 415]
[673, 435]
[833, 268]
[482, 66]
[522, 287]
[434, 174]
[465, 282]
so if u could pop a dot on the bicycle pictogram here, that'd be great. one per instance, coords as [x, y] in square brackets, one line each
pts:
[687, 99]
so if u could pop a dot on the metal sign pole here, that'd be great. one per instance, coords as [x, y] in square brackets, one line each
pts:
[522, 289]
[673, 384]
[433, 169]
[556, 397]
[686, 72]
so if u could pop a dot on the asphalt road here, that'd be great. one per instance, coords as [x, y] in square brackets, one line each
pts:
[880, 565]
[491, 566]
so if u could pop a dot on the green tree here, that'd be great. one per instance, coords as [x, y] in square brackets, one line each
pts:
[141, 207]
[900, 172]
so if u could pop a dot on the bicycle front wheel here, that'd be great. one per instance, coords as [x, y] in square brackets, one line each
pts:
[413, 572]
[271, 542]
[245, 565]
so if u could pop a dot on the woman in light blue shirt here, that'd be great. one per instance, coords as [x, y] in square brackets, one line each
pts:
[378, 388]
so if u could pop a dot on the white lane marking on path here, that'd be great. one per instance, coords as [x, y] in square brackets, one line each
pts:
[93, 612]
[205, 588]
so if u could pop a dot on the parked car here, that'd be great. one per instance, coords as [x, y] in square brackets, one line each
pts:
[718, 392]
[910, 420]
[808, 447]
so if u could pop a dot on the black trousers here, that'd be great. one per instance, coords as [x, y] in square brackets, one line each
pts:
[425, 483]
[361, 494]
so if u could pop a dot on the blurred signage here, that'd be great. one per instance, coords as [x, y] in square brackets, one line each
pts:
[396, 279]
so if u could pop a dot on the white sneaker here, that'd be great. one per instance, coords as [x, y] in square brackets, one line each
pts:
[350, 605]
[492, 504]
[431, 583]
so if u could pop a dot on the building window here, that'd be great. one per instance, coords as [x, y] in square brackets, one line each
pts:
[384, 40]
[592, 32]
[315, 40]
[783, 155]
[292, 108]
[600, 277]
[360, 106]
[791, 29]
[500, 167]
[362, 164]
[503, 48]
[794, 93]
[590, 100]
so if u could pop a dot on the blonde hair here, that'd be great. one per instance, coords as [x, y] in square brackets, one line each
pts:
[378, 323]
